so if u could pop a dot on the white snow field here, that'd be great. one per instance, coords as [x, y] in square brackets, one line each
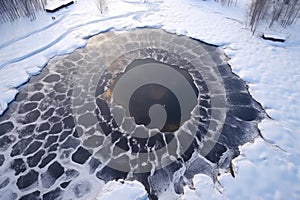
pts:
[269, 168]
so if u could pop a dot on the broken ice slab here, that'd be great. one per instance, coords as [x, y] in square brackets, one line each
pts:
[274, 38]
[55, 5]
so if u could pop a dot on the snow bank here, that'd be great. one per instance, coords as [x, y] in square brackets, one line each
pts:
[125, 190]
[203, 188]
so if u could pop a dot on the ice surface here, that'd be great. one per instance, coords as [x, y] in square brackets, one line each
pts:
[57, 110]
[272, 72]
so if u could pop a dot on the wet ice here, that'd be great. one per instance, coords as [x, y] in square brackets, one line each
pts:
[60, 126]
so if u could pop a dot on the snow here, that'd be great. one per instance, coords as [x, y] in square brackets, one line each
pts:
[56, 4]
[125, 190]
[266, 169]
[202, 189]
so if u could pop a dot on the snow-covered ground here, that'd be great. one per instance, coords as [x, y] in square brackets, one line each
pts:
[266, 169]
[125, 190]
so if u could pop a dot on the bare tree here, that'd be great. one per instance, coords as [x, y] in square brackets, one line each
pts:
[228, 2]
[11, 10]
[283, 12]
[102, 6]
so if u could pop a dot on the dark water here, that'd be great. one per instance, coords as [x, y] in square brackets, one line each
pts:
[150, 102]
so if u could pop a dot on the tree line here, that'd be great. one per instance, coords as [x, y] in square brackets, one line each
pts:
[11, 10]
[283, 12]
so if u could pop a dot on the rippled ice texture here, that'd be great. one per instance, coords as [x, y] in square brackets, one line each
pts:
[57, 137]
